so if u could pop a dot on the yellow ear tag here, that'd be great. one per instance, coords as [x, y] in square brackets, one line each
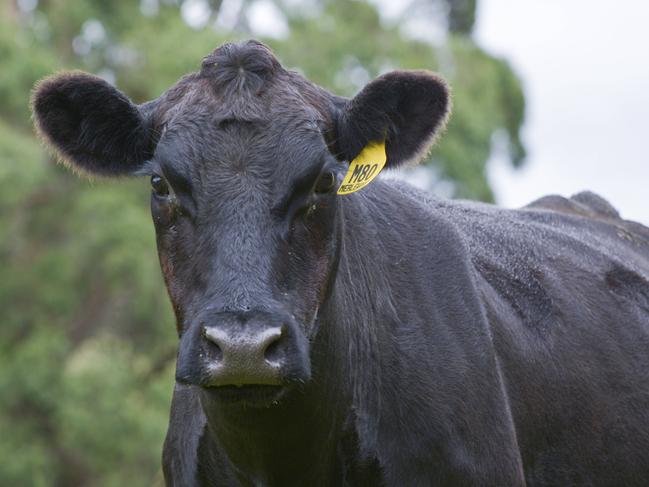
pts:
[364, 168]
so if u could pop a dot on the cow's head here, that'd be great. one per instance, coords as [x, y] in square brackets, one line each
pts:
[244, 159]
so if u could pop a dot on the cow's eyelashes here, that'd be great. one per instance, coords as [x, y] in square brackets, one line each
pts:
[159, 185]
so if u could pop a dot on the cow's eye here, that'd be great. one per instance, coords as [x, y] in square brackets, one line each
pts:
[159, 185]
[326, 182]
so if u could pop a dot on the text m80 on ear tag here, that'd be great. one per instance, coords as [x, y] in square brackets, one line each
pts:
[364, 168]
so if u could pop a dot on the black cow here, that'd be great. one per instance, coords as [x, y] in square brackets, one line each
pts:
[385, 337]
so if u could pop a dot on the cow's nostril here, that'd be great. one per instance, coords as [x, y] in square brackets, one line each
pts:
[272, 352]
[271, 345]
[215, 350]
[214, 344]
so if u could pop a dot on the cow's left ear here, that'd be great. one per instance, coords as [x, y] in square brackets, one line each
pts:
[93, 127]
[407, 109]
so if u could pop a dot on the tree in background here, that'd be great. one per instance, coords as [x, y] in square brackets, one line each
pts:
[87, 342]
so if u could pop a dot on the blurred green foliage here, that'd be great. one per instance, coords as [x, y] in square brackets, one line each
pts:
[87, 339]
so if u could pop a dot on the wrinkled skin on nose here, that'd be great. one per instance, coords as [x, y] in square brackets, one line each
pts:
[245, 357]
[244, 349]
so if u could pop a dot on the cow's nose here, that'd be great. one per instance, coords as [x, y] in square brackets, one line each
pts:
[245, 356]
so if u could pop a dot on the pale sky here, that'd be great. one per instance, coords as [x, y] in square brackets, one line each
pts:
[585, 69]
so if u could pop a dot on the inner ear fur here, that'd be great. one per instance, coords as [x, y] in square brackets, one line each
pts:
[407, 109]
[93, 127]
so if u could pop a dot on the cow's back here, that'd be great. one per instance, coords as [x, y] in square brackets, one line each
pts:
[565, 283]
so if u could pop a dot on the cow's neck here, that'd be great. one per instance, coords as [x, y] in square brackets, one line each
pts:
[360, 311]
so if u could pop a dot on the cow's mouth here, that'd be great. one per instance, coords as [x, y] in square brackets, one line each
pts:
[248, 395]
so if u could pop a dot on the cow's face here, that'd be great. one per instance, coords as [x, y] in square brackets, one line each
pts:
[244, 159]
[245, 214]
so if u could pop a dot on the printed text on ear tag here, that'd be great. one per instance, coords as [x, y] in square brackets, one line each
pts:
[364, 168]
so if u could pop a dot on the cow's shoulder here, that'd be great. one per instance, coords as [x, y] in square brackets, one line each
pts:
[535, 256]
[597, 212]
[585, 203]
[583, 232]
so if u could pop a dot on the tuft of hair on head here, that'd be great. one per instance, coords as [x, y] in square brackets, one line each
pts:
[240, 67]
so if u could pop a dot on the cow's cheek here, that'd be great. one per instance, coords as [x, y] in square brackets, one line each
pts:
[173, 270]
[322, 245]
[173, 288]
[313, 252]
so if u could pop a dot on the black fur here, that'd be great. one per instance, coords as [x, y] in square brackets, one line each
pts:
[426, 342]
[240, 67]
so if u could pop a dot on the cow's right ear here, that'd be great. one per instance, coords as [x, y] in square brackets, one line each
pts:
[93, 127]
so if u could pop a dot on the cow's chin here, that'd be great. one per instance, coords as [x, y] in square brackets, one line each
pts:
[246, 396]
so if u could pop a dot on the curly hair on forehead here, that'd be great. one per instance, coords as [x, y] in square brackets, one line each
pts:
[241, 67]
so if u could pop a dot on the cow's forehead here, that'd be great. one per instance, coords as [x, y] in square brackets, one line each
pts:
[242, 82]
[214, 150]
[195, 100]
[242, 112]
